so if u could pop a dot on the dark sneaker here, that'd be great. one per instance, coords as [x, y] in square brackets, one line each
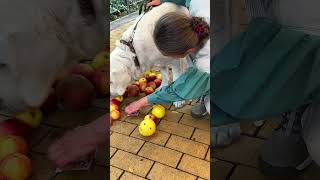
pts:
[199, 109]
[285, 152]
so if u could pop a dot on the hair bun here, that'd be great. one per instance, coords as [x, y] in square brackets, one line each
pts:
[201, 27]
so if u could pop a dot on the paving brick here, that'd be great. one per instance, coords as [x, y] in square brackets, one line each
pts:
[122, 127]
[248, 173]
[67, 119]
[160, 154]
[159, 137]
[115, 173]
[201, 136]
[135, 119]
[187, 146]
[145, 110]
[125, 143]
[268, 127]
[129, 176]
[163, 172]
[203, 124]
[43, 146]
[244, 151]
[185, 109]
[173, 116]
[167, 106]
[175, 128]
[112, 151]
[220, 169]
[130, 162]
[248, 128]
[195, 166]
[102, 155]
[42, 167]
[99, 173]
[38, 134]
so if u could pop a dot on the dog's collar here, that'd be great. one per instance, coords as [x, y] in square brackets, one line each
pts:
[130, 45]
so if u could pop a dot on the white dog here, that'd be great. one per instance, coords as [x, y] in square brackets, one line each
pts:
[122, 66]
[38, 39]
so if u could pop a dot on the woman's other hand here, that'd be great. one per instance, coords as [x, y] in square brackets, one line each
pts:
[136, 106]
[154, 3]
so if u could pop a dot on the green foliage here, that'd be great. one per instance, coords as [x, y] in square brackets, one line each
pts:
[119, 8]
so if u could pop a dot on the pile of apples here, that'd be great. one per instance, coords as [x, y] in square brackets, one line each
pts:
[146, 84]
[115, 108]
[148, 126]
[14, 163]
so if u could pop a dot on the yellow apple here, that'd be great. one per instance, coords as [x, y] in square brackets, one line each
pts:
[119, 98]
[147, 127]
[159, 76]
[12, 144]
[100, 60]
[158, 111]
[113, 107]
[16, 167]
[31, 116]
[115, 115]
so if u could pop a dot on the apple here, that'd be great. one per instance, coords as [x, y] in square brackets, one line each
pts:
[100, 80]
[14, 127]
[136, 83]
[133, 90]
[50, 105]
[113, 107]
[31, 116]
[83, 69]
[148, 90]
[75, 93]
[159, 76]
[12, 144]
[119, 98]
[100, 60]
[150, 117]
[116, 102]
[16, 167]
[152, 84]
[152, 76]
[115, 115]
[157, 82]
[143, 86]
[146, 73]
[2, 177]
[142, 80]
[158, 111]
[125, 94]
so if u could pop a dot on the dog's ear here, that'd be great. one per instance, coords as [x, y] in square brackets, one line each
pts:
[35, 59]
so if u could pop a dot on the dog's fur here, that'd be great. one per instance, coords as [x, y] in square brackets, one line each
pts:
[122, 67]
[38, 39]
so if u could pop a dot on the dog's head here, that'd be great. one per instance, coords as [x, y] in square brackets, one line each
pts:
[120, 74]
[67, 32]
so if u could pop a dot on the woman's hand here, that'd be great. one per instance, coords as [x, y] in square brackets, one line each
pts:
[135, 106]
[154, 3]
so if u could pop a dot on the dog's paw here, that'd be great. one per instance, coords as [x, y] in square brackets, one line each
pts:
[225, 135]
[179, 104]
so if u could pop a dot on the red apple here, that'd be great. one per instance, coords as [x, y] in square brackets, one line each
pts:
[100, 80]
[149, 90]
[115, 115]
[152, 84]
[142, 86]
[83, 69]
[133, 90]
[150, 116]
[157, 82]
[116, 102]
[152, 76]
[125, 94]
[75, 93]
[142, 80]
[50, 105]
[136, 83]
[16, 167]
[12, 144]
[14, 127]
